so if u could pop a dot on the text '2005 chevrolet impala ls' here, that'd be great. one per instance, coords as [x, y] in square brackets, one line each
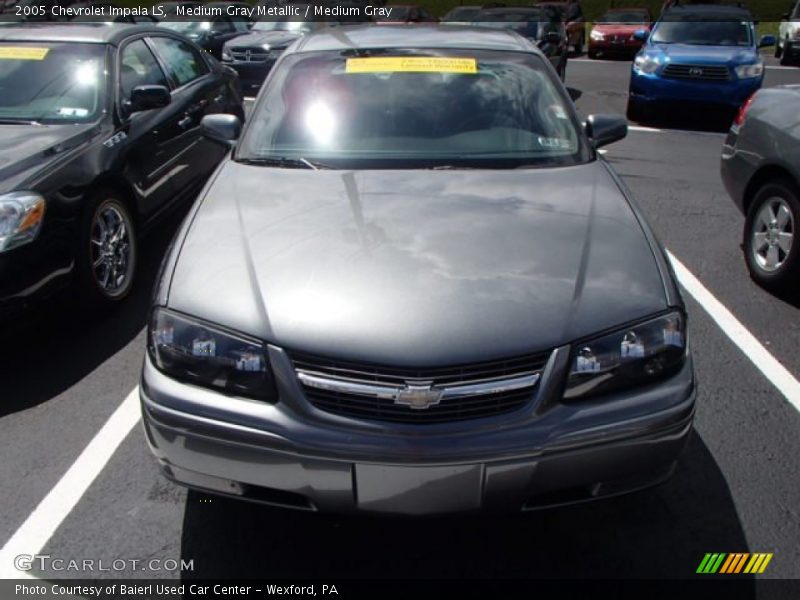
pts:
[415, 288]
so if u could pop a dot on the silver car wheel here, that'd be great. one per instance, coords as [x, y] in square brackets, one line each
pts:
[110, 252]
[772, 234]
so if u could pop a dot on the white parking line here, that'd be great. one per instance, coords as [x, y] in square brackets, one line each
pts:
[773, 370]
[42, 523]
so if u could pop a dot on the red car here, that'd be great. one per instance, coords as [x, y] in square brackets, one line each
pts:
[613, 32]
[406, 13]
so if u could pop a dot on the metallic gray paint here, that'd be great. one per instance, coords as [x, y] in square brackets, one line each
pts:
[442, 267]
[768, 140]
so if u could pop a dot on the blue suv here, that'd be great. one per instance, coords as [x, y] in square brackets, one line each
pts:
[697, 54]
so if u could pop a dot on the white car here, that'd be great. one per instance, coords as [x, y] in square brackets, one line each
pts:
[788, 46]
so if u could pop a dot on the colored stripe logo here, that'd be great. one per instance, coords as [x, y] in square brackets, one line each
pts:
[736, 562]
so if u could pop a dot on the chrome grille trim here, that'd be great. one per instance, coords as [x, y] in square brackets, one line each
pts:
[392, 392]
[419, 395]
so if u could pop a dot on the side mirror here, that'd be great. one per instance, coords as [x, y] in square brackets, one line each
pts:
[148, 97]
[221, 128]
[605, 129]
[767, 40]
[641, 35]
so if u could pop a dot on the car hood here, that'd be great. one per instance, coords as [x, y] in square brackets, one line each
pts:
[23, 147]
[706, 54]
[275, 39]
[416, 267]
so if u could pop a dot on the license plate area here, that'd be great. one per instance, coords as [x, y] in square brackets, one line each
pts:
[419, 490]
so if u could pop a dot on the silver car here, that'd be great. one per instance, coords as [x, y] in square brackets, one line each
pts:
[416, 287]
[761, 171]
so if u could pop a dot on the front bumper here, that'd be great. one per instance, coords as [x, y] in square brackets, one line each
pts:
[292, 454]
[610, 46]
[652, 89]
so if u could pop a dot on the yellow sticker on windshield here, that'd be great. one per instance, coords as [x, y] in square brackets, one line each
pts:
[23, 53]
[411, 64]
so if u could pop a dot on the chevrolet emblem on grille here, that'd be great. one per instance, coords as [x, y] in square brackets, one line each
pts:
[418, 396]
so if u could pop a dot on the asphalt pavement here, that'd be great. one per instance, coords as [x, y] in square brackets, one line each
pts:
[737, 487]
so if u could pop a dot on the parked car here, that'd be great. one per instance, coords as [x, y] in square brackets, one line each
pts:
[571, 13]
[405, 13]
[211, 34]
[416, 287]
[788, 46]
[99, 136]
[761, 171]
[541, 25]
[699, 54]
[253, 55]
[614, 32]
[462, 15]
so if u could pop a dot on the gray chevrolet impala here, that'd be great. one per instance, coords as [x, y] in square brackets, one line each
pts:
[414, 287]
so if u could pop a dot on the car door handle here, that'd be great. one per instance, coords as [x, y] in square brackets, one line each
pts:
[185, 122]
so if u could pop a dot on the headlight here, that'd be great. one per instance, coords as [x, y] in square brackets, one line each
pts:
[265, 47]
[750, 71]
[21, 216]
[633, 356]
[597, 35]
[646, 64]
[198, 353]
[226, 55]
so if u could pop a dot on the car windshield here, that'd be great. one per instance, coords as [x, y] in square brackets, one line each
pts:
[461, 14]
[524, 24]
[634, 17]
[396, 13]
[703, 33]
[410, 108]
[187, 27]
[51, 82]
[266, 25]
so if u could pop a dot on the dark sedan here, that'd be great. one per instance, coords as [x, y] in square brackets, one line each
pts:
[254, 54]
[540, 25]
[416, 287]
[211, 33]
[99, 135]
[761, 171]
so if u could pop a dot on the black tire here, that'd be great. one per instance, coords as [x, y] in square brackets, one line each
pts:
[107, 250]
[785, 276]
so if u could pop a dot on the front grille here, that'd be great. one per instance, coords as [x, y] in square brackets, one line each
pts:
[449, 409]
[253, 54]
[697, 72]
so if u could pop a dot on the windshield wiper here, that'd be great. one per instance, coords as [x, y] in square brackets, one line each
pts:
[12, 121]
[285, 162]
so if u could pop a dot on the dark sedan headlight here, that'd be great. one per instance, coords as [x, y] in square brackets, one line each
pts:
[199, 353]
[636, 355]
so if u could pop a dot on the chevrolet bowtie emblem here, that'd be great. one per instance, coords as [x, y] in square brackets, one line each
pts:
[418, 396]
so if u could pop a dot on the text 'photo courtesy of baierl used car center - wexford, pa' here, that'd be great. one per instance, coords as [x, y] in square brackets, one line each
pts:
[375, 300]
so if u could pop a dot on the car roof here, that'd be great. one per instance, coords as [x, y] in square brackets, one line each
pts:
[92, 33]
[708, 12]
[413, 36]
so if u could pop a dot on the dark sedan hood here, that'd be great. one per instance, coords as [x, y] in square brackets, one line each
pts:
[275, 39]
[23, 147]
[416, 267]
